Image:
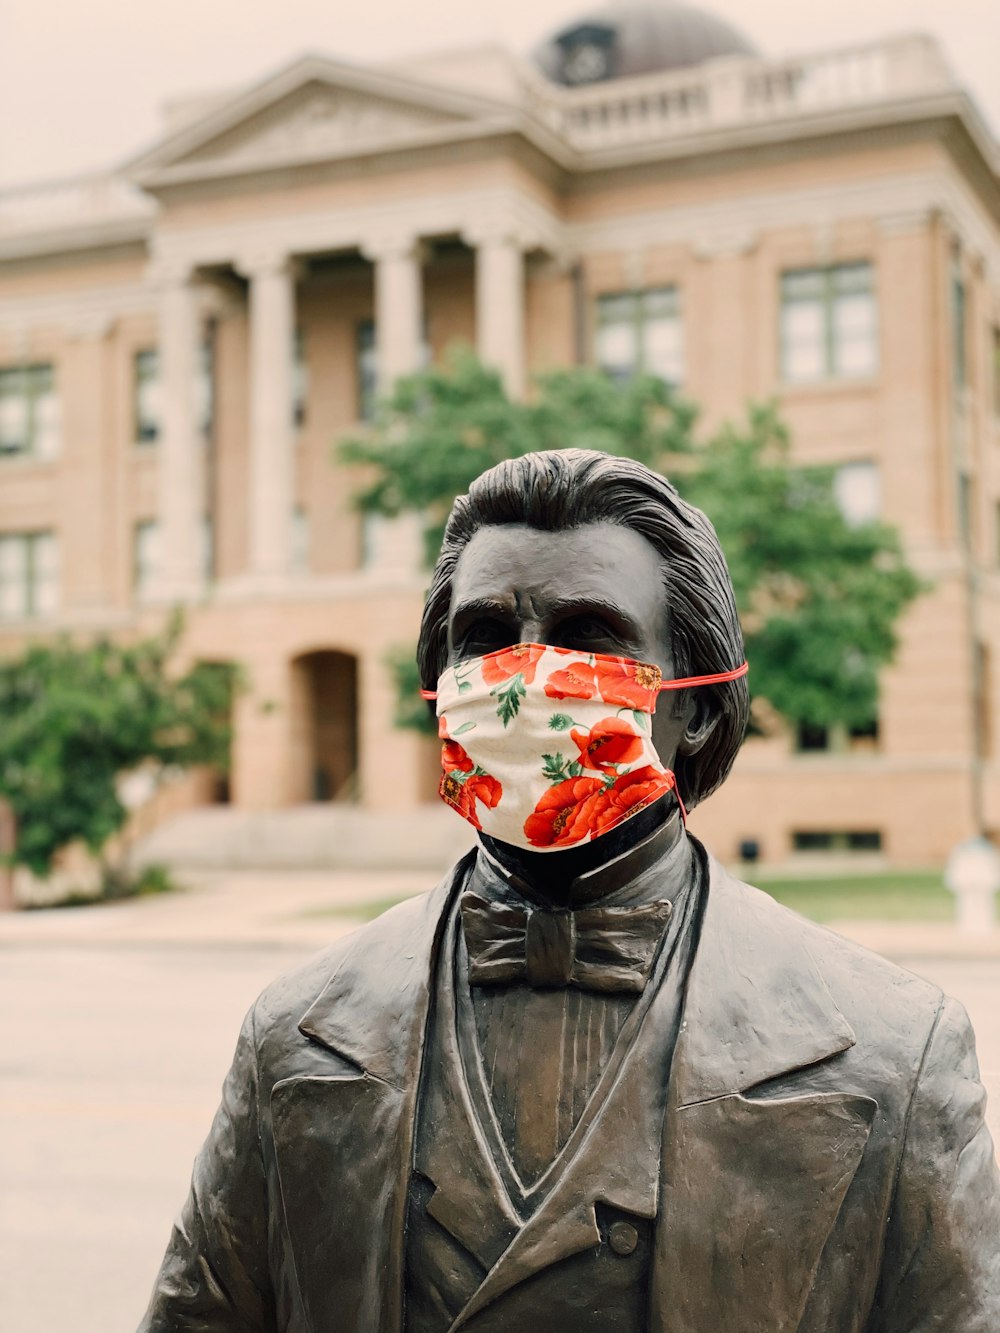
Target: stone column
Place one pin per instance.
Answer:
(272, 435)
(500, 303)
(399, 327)
(181, 471)
(399, 305)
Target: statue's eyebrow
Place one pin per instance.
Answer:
(496, 607)
(564, 607)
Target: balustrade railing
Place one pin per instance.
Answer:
(735, 91)
(87, 200)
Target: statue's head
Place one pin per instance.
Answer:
(588, 551)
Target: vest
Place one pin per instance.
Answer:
(466, 1236)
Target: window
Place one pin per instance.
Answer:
(857, 488)
(641, 333)
(148, 392)
(29, 575)
(148, 396)
(29, 411)
(205, 386)
(811, 738)
(366, 360)
(848, 840)
(366, 364)
(300, 379)
(982, 698)
(300, 540)
(959, 324)
(145, 555)
(207, 548)
(829, 325)
(966, 499)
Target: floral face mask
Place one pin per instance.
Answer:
(547, 748)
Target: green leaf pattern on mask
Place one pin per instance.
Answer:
(508, 697)
(557, 768)
(560, 722)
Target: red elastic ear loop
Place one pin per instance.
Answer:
(719, 678)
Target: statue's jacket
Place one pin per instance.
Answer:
(825, 1165)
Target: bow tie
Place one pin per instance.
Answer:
(604, 949)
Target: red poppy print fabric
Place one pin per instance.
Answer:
(548, 748)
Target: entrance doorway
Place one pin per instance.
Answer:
(325, 727)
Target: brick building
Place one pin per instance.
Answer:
(182, 342)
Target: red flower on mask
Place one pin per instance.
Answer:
(453, 757)
(521, 659)
(608, 743)
(629, 684)
(563, 814)
(578, 681)
(463, 795)
(631, 793)
(578, 808)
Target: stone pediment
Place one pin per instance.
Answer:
(319, 118)
(311, 110)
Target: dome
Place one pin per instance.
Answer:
(624, 38)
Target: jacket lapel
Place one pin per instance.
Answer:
(752, 1186)
(469, 1198)
(343, 1139)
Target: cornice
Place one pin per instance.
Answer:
(385, 226)
(66, 240)
(725, 225)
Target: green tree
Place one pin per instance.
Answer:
(819, 597)
(75, 718)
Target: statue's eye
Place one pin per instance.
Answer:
(585, 631)
(485, 636)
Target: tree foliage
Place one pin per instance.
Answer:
(75, 718)
(819, 597)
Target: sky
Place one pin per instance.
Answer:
(82, 82)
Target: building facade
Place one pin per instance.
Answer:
(181, 344)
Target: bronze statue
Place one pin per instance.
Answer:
(590, 1082)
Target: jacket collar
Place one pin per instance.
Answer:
(757, 1005)
(373, 1010)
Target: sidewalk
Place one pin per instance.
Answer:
(310, 909)
(282, 909)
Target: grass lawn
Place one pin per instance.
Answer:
(889, 896)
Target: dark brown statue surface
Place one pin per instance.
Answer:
(591, 1082)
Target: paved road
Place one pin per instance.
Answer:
(111, 1056)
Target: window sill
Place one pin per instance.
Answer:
(25, 462)
(28, 624)
(836, 387)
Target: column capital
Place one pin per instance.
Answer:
(166, 271)
(393, 243)
(91, 327)
(260, 260)
(505, 232)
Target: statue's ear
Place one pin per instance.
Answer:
(704, 718)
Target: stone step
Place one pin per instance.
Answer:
(307, 837)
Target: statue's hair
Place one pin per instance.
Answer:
(567, 488)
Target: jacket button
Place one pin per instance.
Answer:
(623, 1237)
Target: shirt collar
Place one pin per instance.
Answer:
(658, 867)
